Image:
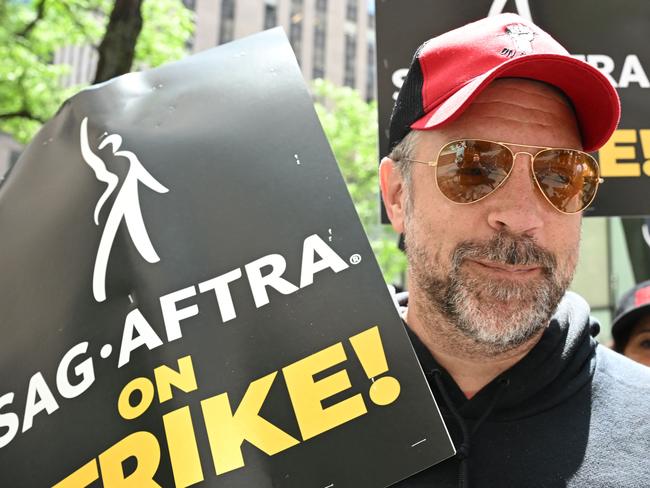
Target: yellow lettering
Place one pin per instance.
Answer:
(80, 478)
(183, 451)
(128, 411)
(610, 155)
(307, 394)
(645, 145)
(146, 450)
(227, 432)
(183, 379)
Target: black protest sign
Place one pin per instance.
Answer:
(188, 297)
(609, 35)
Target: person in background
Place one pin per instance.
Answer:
(631, 326)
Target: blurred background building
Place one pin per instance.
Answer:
(332, 39)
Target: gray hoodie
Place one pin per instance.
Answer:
(571, 413)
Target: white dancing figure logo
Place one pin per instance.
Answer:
(125, 206)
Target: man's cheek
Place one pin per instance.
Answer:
(568, 261)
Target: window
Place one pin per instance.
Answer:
(189, 44)
(319, 52)
(351, 10)
(320, 32)
(270, 16)
(350, 59)
(295, 29)
(227, 24)
(370, 73)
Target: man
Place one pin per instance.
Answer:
(631, 326)
(529, 397)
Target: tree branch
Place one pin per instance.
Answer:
(40, 13)
(25, 114)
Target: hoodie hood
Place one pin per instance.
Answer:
(561, 363)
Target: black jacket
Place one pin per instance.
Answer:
(571, 413)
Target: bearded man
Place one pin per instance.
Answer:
(487, 179)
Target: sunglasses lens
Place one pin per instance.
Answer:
(469, 170)
(569, 179)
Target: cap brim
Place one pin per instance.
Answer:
(594, 98)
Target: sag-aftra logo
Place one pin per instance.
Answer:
(126, 205)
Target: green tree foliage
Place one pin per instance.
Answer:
(32, 31)
(351, 127)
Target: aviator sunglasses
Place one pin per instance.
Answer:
(469, 170)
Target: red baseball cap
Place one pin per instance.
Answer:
(449, 71)
(632, 307)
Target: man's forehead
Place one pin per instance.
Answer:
(514, 86)
(514, 110)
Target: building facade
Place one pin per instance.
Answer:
(332, 39)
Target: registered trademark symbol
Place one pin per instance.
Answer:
(355, 259)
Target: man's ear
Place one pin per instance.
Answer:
(393, 193)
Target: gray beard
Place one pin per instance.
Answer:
(474, 304)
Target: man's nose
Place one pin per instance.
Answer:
(517, 205)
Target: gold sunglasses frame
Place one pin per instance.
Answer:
(434, 164)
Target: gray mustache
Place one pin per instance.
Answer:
(506, 248)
